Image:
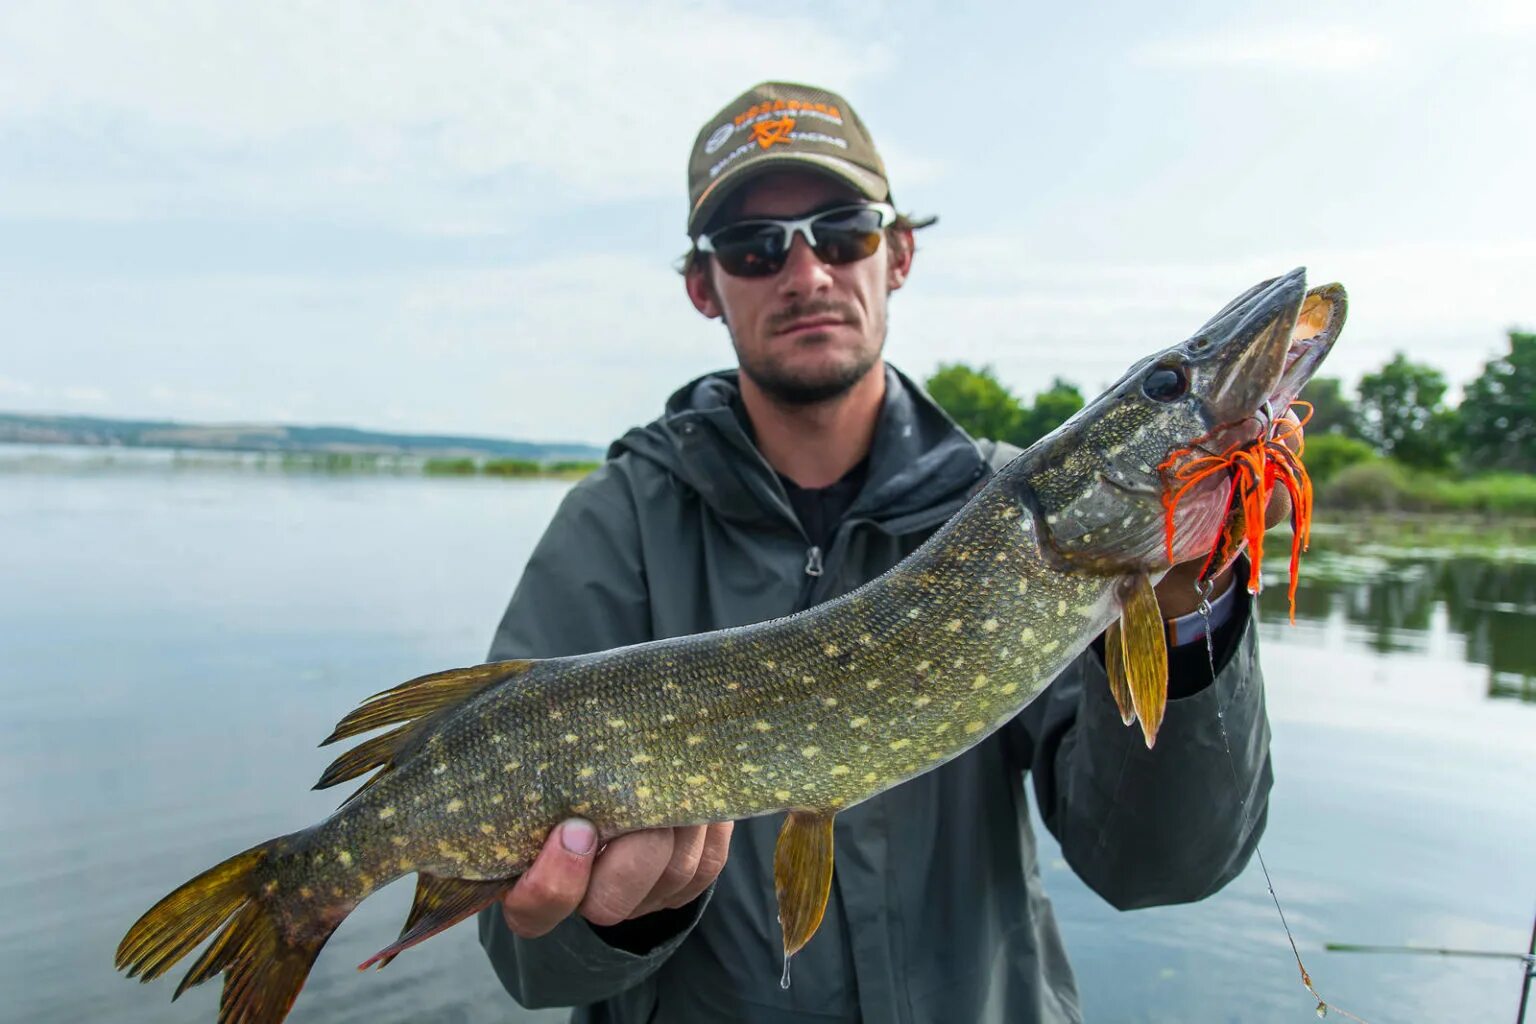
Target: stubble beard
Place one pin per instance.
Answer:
(792, 387)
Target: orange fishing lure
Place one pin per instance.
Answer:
(1253, 471)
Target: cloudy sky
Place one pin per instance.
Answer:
(463, 216)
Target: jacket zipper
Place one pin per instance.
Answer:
(815, 558)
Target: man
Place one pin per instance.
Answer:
(762, 491)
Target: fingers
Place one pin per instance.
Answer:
(717, 846)
(698, 854)
(675, 875)
(637, 874)
(1279, 509)
(626, 873)
(1288, 430)
(687, 848)
(556, 883)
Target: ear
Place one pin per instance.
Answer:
(902, 247)
(701, 290)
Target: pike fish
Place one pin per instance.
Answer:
(808, 714)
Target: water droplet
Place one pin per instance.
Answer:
(1322, 1009)
(784, 979)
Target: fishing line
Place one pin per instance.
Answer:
(1203, 588)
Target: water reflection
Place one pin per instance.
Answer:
(1477, 608)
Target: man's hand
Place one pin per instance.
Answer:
(1176, 593)
(633, 875)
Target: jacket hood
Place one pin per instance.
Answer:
(922, 464)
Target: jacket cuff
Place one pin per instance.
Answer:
(1193, 693)
(574, 964)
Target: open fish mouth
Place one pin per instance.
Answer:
(1247, 468)
(1317, 327)
(1267, 345)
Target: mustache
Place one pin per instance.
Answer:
(804, 310)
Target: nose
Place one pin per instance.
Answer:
(804, 273)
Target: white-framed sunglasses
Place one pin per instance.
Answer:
(758, 247)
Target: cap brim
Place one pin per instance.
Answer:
(867, 183)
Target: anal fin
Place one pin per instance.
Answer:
(440, 903)
(802, 876)
(1144, 654)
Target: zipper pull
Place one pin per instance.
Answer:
(813, 561)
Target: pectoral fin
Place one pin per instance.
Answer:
(802, 876)
(1145, 654)
(1114, 665)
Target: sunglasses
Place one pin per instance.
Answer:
(760, 247)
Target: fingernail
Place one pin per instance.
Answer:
(578, 836)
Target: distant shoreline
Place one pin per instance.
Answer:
(88, 458)
(276, 439)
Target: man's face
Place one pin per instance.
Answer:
(811, 331)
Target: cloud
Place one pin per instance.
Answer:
(1444, 303)
(1502, 16)
(14, 390)
(584, 347)
(574, 348)
(80, 394)
(171, 105)
(1268, 48)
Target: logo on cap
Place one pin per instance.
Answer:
(769, 133)
(718, 138)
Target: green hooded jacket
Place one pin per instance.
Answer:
(937, 913)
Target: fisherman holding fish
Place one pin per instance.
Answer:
(805, 602)
(807, 471)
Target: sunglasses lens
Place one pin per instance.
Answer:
(847, 236)
(750, 250)
(759, 248)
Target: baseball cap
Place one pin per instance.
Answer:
(774, 126)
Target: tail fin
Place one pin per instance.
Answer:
(265, 959)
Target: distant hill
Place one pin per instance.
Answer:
(25, 428)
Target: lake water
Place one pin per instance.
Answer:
(174, 643)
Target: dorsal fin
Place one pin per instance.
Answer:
(368, 755)
(420, 703)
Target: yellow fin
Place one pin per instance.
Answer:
(264, 951)
(420, 703)
(1114, 665)
(802, 876)
(1146, 654)
(424, 695)
(440, 903)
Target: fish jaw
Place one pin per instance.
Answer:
(1241, 354)
(1318, 326)
(1098, 482)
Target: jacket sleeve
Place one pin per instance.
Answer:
(583, 590)
(1168, 825)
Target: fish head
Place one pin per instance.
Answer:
(1097, 484)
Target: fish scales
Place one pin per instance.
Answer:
(809, 714)
(821, 710)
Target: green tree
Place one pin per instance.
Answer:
(1332, 411)
(1402, 414)
(1498, 412)
(1050, 410)
(1328, 454)
(976, 400)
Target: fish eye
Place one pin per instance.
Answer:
(1165, 383)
